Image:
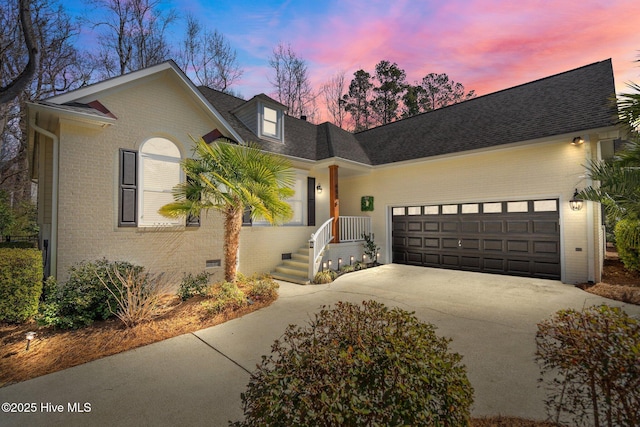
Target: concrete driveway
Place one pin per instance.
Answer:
(196, 379)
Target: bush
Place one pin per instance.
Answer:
(84, 298)
(49, 308)
(347, 268)
(194, 285)
(20, 283)
(359, 365)
(590, 361)
(229, 296)
(138, 295)
(262, 288)
(326, 276)
(627, 234)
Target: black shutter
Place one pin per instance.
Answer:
(192, 220)
(246, 217)
(311, 201)
(128, 189)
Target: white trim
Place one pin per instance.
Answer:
(89, 91)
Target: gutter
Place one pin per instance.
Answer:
(53, 244)
(591, 274)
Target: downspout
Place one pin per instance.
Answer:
(590, 219)
(53, 244)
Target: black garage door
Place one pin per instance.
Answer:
(518, 238)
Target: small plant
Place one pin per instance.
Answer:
(591, 365)
(370, 247)
(323, 277)
(627, 234)
(191, 285)
(359, 365)
(347, 268)
(229, 296)
(262, 288)
(359, 265)
(137, 295)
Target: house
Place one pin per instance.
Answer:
(484, 185)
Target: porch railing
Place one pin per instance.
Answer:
(351, 230)
(353, 227)
(319, 240)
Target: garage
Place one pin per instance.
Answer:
(520, 238)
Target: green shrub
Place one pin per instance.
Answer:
(627, 234)
(261, 288)
(370, 247)
(49, 308)
(84, 298)
(347, 268)
(590, 362)
(194, 285)
(228, 296)
(20, 283)
(359, 365)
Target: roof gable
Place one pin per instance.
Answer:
(89, 94)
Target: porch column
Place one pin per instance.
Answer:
(334, 200)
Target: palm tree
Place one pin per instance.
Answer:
(619, 178)
(230, 178)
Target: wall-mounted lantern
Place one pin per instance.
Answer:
(319, 189)
(576, 202)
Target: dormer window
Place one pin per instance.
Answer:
(271, 122)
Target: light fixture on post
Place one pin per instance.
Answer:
(576, 202)
(577, 140)
(30, 336)
(339, 263)
(319, 189)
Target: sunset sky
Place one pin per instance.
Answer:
(487, 45)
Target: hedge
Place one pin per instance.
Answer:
(20, 283)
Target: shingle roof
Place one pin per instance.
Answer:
(572, 101)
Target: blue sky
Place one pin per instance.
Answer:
(487, 45)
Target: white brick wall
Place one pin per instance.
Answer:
(88, 196)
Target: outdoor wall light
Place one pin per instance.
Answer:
(577, 140)
(576, 202)
(319, 189)
(30, 336)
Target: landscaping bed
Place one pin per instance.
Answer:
(57, 349)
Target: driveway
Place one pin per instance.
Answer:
(196, 379)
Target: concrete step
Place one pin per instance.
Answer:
(287, 278)
(300, 257)
(297, 264)
(292, 271)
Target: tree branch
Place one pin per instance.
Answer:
(15, 87)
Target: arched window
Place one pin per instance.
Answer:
(159, 173)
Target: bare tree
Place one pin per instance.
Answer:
(132, 35)
(209, 56)
(291, 82)
(332, 92)
(13, 87)
(60, 68)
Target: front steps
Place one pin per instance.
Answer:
(294, 270)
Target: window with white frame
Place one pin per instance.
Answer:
(271, 120)
(159, 172)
